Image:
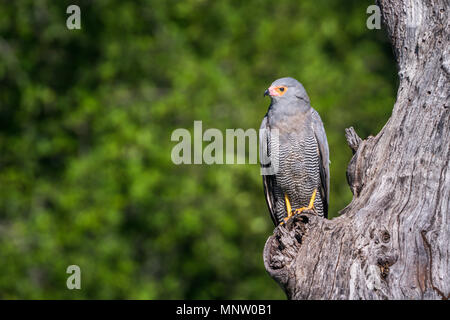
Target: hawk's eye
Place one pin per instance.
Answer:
(281, 89)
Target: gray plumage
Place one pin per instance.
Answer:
(303, 156)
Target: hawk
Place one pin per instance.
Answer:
(302, 179)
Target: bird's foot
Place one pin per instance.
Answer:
(291, 212)
(288, 209)
(286, 219)
(309, 207)
(300, 210)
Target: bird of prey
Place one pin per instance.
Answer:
(302, 179)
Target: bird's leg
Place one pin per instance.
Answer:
(310, 206)
(288, 208)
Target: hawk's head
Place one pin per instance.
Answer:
(286, 89)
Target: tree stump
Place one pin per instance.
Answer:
(392, 240)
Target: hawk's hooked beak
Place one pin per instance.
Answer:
(266, 92)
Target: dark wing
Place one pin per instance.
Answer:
(324, 153)
(268, 180)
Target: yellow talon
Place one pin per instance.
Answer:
(291, 212)
(288, 209)
(288, 205)
(313, 198)
(310, 206)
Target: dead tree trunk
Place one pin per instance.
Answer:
(393, 240)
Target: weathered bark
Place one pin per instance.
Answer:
(392, 240)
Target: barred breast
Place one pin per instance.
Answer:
(298, 173)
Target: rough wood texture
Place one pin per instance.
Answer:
(392, 240)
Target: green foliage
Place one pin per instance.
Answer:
(86, 117)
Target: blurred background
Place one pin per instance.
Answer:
(86, 117)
